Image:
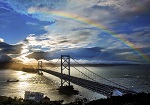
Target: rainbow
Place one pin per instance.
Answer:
(96, 25)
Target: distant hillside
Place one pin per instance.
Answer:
(21, 66)
(11, 65)
(102, 65)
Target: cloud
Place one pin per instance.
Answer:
(112, 13)
(31, 23)
(1, 40)
(5, 6)
(19, 26)
(145, 29)
(78, 53)
(126, 6)
(67, 33)
(75, 45)
(39, 55)
(93, 55)
(21, 6)
(5, 58)
(95, 10)
(58, 38)
(139, 37)
(35, 9)
(10, 49)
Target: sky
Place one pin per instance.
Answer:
(91, 31)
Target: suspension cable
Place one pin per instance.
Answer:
(98, 75)
(55, 64)
(83, 73)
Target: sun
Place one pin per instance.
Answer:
(24, 51)
(23, 57)
(27, 60)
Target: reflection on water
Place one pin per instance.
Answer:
(30, 82)
(132, 77)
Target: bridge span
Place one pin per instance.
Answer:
(91, 83)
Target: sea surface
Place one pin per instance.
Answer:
(135, 77)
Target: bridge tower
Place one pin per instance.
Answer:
(65, 87)
(65, 66)
(40, 67)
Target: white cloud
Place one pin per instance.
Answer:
(1, 40)
(126, 5)
(146, 28)
(31, 23)
(74, 9)
(125, 53)
(99, 11)
(59, 41)
(103, 12)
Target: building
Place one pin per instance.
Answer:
(36, 96)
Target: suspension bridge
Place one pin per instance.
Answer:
(88, 80)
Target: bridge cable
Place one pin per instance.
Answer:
(83, 73)
(55, 65)
(99, 75)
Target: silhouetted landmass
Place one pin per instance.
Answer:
(20, 101)
(128, 99)
(15, 65)
(104, 65)
(30, 67)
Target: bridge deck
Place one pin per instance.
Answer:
(91, 85)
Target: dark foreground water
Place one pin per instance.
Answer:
(137, 77)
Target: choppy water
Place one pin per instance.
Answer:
(137, 77)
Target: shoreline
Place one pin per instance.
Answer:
(20, 65)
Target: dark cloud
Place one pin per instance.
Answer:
(39, 55)
(64, 41)
(119, 10)
(85, 33)
(79, 53)
(95, 54)
(5, 58)
(10, 49)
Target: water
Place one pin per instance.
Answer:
(137, 77)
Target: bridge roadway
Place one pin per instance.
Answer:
(91, 85)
